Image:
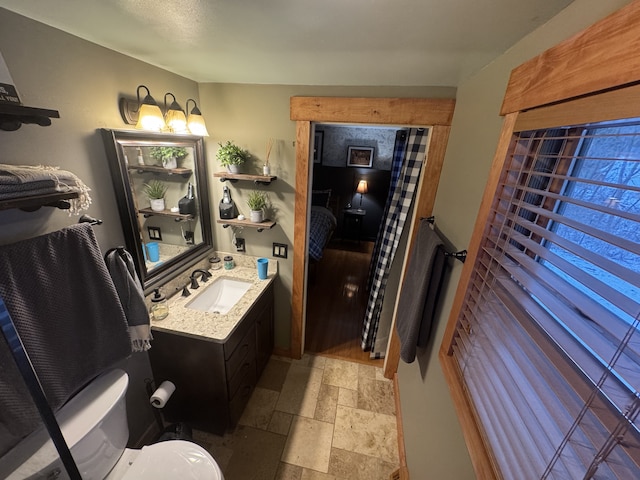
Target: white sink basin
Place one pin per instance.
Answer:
(219, 296)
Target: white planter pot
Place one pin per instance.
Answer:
(233, 168)
(157, 204)
(256, 216)
(170, 162)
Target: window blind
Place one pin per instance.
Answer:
(547, 339)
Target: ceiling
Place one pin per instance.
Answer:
(302, 42)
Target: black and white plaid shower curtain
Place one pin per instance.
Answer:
(399, 150)
(399, 206)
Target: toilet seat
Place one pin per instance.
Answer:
(177, 459)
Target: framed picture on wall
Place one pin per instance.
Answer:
(360, 157)
(317, 146)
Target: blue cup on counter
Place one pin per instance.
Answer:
(153, 252)
(263, 265)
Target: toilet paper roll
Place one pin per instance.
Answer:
(162, 395)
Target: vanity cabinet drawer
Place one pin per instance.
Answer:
(242, 395)
(247, 347)
(237, 337)
(246, 370)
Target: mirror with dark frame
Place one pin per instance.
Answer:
(166, 236)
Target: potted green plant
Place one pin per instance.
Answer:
(231, 156)
(168, 156)
(156, 191)
(257, 202)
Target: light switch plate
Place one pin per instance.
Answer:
(280, 250)
(155, 233)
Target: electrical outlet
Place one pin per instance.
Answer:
(280, 250)
(240, 244)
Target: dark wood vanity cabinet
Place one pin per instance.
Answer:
(214, 381)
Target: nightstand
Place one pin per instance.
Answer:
(352, 220)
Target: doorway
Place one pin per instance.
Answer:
(350, 196)
(435, 113)
(348, 200)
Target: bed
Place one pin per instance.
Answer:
(322, 223)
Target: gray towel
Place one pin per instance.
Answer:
(19, 181)
(120, 265)
(420, 291)
(65, 307)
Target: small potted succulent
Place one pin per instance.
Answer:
(257, 202)
(231, 156)
(168, 156)
(156, 191)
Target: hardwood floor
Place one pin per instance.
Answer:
(336, 302)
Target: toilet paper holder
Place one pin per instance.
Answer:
(162, 394)
(176, 431)
(151, 391)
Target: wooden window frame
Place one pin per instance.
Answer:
(591, 76)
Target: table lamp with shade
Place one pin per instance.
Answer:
(361, 189)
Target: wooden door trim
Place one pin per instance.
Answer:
(423, 206)
(417, 112)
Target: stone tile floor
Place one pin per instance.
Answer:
(312, 419)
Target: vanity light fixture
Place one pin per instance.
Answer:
(174, 117)
(149, 113)
(195, 122)
(146, 114)
(362, 188)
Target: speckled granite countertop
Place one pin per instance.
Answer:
(215, 326)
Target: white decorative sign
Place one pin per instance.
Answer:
(8, 92)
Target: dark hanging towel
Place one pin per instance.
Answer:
(123, 272)
(420, 292)
(64, 305)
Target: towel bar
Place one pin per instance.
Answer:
(90, 220)
(460, 255)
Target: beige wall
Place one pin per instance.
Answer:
(434, 443)
(83, 81)
(250, 115)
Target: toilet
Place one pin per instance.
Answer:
(94, 425)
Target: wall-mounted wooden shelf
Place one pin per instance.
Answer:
(264, 225)
(234, 177)
(34, 202)
(12, 116)
(158, 169)
(178, 217)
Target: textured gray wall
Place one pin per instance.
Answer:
(338, 139)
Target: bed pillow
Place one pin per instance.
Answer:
(320, 198)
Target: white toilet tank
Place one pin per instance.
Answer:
(94, 425)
